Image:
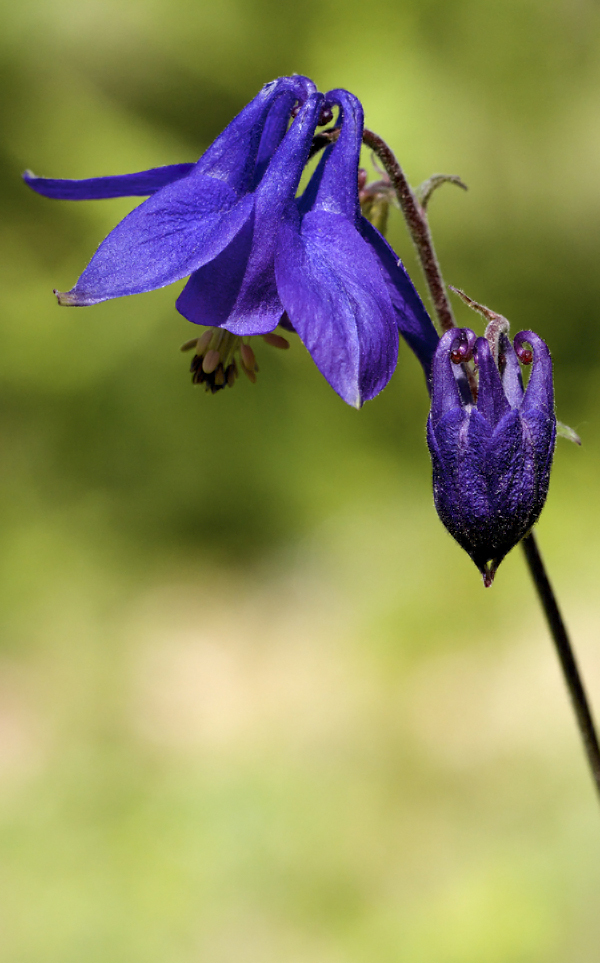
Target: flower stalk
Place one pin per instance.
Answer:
(558, 631)
(418, 226)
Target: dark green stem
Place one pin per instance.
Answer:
(566, 655)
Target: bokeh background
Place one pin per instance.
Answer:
(255, 704)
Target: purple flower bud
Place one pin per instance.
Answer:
(491, 456)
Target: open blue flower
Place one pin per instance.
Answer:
(255, 253)
(491, 457)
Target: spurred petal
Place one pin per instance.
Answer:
(445, 394)
(97, 188)
(232, 157)
(539, 394)
(538, 407)
(334, 294)
(163, 240)
(273, 133)
(237, 290)
(415, 325)
(512, 380)
(491, 400)
(334, 185)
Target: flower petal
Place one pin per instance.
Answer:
(512, 380)
(163, 240)
(274, 131)
(334, 184)
(334, 294)
(445, 393)
(538, 408)
(97, 188)
(539, 394)
(492, 403)
(213, 294)
(237, 290)
(415, 325)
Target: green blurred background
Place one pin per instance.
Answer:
(255, 704)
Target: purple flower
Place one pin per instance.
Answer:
(255, 254)
(491, 457)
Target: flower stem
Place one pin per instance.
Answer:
(416, 219)
(565, 653)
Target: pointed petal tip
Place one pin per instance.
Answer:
(66, 298)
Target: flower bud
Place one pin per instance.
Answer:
(491, 455)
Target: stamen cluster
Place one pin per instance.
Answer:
(216, 355)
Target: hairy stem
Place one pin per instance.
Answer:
(566, 655)
(416, 220)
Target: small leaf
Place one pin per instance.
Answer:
(426, 189)
(563, 431)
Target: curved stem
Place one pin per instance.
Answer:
(565, 653)
(416, 220)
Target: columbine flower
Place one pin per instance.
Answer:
(491, 456)
(255, 254)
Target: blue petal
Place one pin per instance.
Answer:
(274, 131)
(238, 290)
(217, 294)
(97, 188)
(163, 240)
(334, 185)
(415, 325)
(333, 292)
